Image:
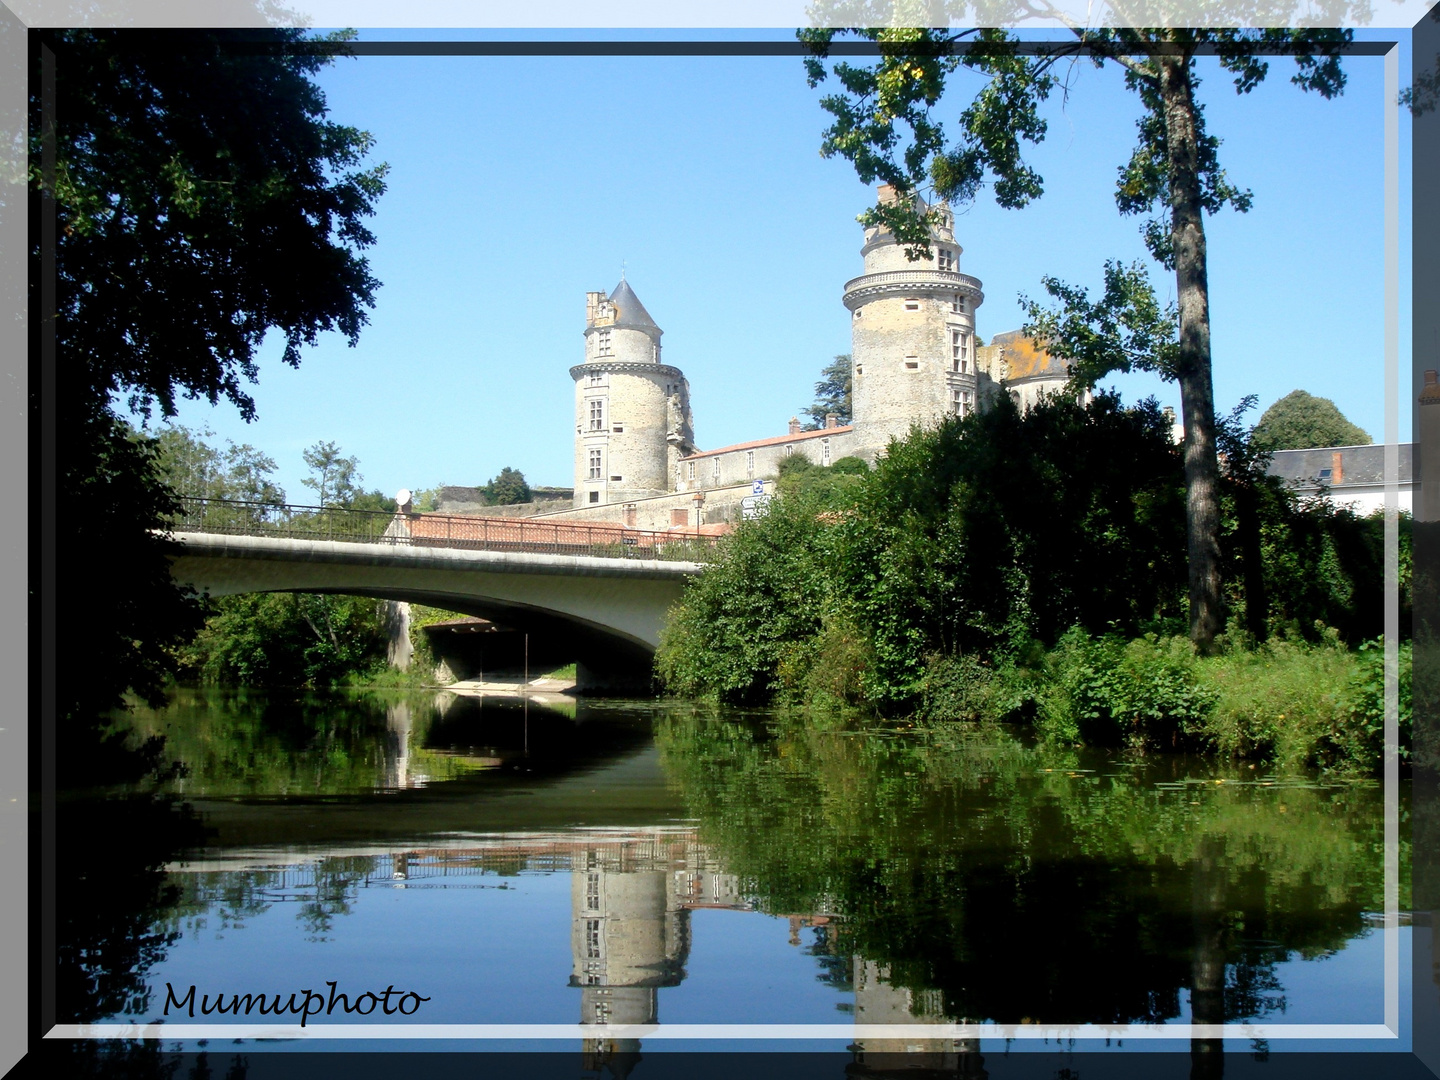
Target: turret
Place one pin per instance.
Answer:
(632, 413)
(912, 334)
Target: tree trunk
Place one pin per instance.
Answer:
(1197, 396)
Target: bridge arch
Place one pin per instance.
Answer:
(608, 611)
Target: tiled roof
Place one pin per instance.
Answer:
(628, 309)
(776, 441)
(1358, 465)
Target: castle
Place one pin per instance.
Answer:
(914, 359)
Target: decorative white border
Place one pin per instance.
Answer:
(33, 14)
(722, 1031)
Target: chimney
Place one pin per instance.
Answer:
(794, 425)
(886, 194)
(831, 421)
(1337, 468)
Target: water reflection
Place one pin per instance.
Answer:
(550, 866)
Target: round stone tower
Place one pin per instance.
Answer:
(912, 335)
(632, 413)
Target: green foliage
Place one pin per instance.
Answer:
(119, 585)
(832, 394)
(288, 640)
(1125, 330)
(191, 466)
(753, 610)
(202, 200)
(1144, 694)
(884, 124)
(509, 487)
(1299, 421)
(836, 485)
(334, 479)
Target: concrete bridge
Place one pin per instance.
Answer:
(605, 609)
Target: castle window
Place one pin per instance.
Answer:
(655, 352)
(750, 462)
(912, 303)
(602, 342)
(961, 403)
(959, 352)
(859, 370)
(715, 471)
(946, 259)
(619, 429)
(617, 479)
(859, 312)
(957, 305)
(592, 939)
(912, 363)
(824, 451)
(594, 496)
(597, 378)
(597, 414)
(692, 470)
(594, 467)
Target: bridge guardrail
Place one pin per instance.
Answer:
(290, 521)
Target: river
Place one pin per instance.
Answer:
(600, 862)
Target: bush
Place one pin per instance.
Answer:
(957, 688)
(1145, 693)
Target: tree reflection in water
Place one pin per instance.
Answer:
(992, 881)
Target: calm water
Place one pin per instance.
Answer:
(643, 863)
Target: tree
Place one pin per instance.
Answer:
(509, 487)
(334, 479)
(1173, 176)
(832, 394)
(1299, 421)
(200, 199)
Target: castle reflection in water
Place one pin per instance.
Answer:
(631, 895)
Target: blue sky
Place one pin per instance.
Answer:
(518, 183)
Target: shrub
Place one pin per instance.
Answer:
(956, 688)
(1145, 693)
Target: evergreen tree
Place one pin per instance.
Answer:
(832, 394)
(1299, 421)
(507, 488)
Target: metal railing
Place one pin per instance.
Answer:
(287, 521)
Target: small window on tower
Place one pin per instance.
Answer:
(602, 344)
(946, 259)
(912, 303)
(616, 479)
(594, 496)
(912, 363)
(959, 352)
(597, 414)
(594, 466)
(958, 304)
(859, 369)
(619, 429)
(597, 378)
(715, 470)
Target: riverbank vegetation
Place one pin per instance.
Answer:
(1031, 567)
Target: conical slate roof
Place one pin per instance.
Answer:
(628, 309)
